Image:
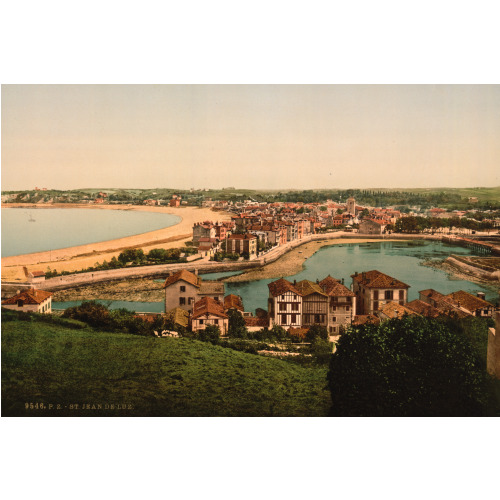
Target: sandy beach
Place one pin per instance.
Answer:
(83, 256)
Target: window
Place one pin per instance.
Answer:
(295, 307)
(201, 322)
(294, 318)
(190, 300)
(375, 294)
(182, 301)
(389, 294)
(183, 288)
(401, 294)
(318, 318)
(375, 306)
(347, 308)
(334, 319)
(216, 322)
(283, 319)
(282, 306)
(19, 303)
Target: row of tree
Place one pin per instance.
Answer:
(416, 224)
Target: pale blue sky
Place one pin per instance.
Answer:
(254, 136)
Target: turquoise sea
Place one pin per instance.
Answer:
(402, 260)
(28, 230)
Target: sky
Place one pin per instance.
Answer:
(250, 136)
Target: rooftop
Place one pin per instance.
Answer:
(183, 275)
(208, 307)
(281, 286)
(376, 279)
(30, 296)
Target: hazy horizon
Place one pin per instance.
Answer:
(250, 136)
(236, 188)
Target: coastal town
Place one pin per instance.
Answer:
(262, 269)
(257, 234)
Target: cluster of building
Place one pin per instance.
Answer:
(296, 306)
(267, 225)
(194, 303)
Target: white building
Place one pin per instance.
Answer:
(38, 301)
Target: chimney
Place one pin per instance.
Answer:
(342, 280)
(481, 295)
(196, 272)
(363, 276)
(294, 282)
(317, 281)
(25, 269)
(355, 273)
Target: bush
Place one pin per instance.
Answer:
(211, 333)
(316, 332)
(92, 313)
(409, 367)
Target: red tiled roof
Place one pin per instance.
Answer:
(282, 286)
(334, 288)
(183, 275)
(37, 273)
(30, 296)
(395, 310)
(208, 306)
(469, 301)
(233, 302)
(262, 322)
(423, 308)
(306, 287)
(376, 279)
(362, 319)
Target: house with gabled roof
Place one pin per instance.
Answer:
(342, 304)
(184, 288)
(314, 304)
(207, 311)
(31, 300)
(393, 310)
(374, 289)
(284, 304)
(423, 308)
(445, 305)
(232, 301)
(476, 306)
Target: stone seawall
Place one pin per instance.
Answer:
(470, 268)
(204, 266)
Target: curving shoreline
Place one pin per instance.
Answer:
(83, 256)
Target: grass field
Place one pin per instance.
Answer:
(68, 365)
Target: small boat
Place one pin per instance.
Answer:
(31, 219)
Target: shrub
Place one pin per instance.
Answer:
(409, 367)
(211, 333)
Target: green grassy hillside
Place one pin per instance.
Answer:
(68, 364)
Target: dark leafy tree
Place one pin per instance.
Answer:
(316, 332)
(237, 326)
(409, 367)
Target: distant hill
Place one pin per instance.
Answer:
(452, 198)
